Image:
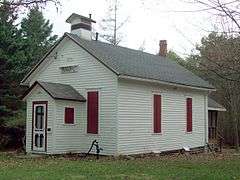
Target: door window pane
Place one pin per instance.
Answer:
(39, 109)
(41, 140)
(39, 115)
(36, 140)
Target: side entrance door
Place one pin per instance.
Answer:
(39, 126)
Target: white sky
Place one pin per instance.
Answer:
(149, 21)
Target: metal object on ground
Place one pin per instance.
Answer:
(98, 149)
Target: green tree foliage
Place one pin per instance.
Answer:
(11, 50)
(17, 45)
(189, 62)
(20, 48)
(218, 61)
(174, 56)
(37, 36)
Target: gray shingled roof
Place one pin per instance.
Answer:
(78, 16)
(214, 105)
(58, 91)
(125, 61)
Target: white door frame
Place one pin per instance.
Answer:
(39, 129)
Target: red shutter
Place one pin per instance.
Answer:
(92, 112)
(157, 113)
(69, 115)
(189, 114)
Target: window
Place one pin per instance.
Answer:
(39, 126)
(39, 140)
(189, 114)
(69, 115)
(69, 69)
(92, 112)
(39, 115)
(157, 113)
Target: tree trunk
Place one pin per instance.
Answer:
(235, 105)
(236, 137)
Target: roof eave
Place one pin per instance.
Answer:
(25, 94)
(101, 61)
(77, 15)
(23, 81)
(165, 83)
(68, 99)
(57, 98)
(217, 109)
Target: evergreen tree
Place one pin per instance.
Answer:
(37, 36)
(10, 52)
(20, 49)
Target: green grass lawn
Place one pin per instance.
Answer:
(166, 167)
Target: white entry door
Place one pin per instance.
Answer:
(39, 126)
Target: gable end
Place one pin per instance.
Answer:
(52, 48)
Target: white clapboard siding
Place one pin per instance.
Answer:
(38, 94)
(125, 109)
(69, 137)
(91, 75)
(135, 120)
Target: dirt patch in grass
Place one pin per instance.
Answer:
(226, 154)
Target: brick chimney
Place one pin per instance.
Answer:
(163, 48)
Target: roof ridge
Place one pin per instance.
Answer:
(117, 46)
(124, 60)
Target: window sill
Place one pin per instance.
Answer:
(157, 134)
(91, 134)
(188, 132)
(64, 124)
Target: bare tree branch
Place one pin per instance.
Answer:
(111, 24)
(228, 12)
(18, 4)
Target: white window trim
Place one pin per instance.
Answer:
(68, 124)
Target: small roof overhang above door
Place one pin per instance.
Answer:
(57, 91)
(214, 106)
